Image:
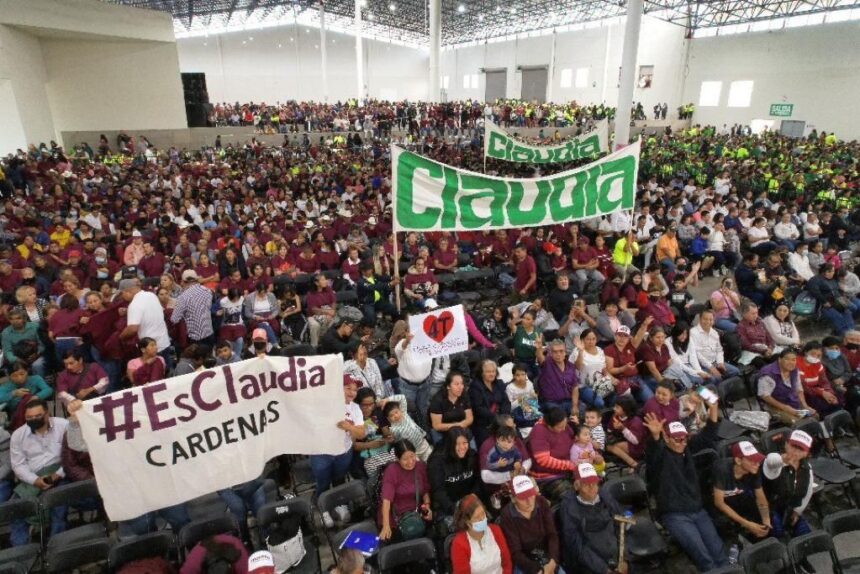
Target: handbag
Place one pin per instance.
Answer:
(411, 524)
(286, 543)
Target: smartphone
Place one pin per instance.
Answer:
(708, 395)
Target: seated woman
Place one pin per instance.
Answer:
(453, 470)
(147, 368)
(781, 328)
(526, 335)
(632, 288)
(488, 397)
(627, 433)
(261, 309)
(405, 488)
(819, 393)
(495, 327)
(222, 553)
(79, 380)
(530, 530)
(478, 547)
(64, 325)
(374, 450)
(663, 404)
(450, 407)
(367, 371)
(549, 443)
(596, 386)
(726, 302)
(656, 362)
(21, 384)
(679, 344)
(612, 317)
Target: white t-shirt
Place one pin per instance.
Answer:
(145, 310)
(353, 415)
(486, 556)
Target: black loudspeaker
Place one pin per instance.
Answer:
(197, 115)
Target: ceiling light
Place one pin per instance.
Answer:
(370, 15)
(363, 3)
(279, 45)
(513, 10)
(251, 38)
(498, 9)
(307, 30)
(392, 7)
(461, 8)
(480, 17)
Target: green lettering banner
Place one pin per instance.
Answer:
(499, 144)
(430, 196)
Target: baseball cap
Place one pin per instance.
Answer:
(801, 440)
(259, 334)
(189, 275)
(523, 487)
(74, 253)
(772, 466)
(623, 330)
(261, 562)
(136, 233)
(677, 430)
(745, 449)
(349, 380)
(431, 304)
(586, 474)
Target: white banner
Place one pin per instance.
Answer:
(500, 144)
(170, 441)
(439, 332)
(431, 196)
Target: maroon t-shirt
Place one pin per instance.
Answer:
(66, 323)
(445, 258)
(317, 299)
(626, 357)
(583, 256)
(661, 358)
(420, 283)
(311, 265)
(525, 268)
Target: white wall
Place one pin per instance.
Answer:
(661, 45)
(22, 66)
(260, 70)
(814, 68)
(113, 85)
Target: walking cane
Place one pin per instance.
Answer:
(622, 521)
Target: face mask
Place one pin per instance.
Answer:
(812, 360)
(260, 345)
(833, 353)
(37, 424)
(101, 260)
(681, 267)
(480, 526)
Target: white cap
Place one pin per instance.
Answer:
(136, 233)
(431, 304)
(261, 562)
(772, 466)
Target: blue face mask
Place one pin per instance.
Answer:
(833, 353)
(480, 526)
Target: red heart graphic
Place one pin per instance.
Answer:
(438, 327)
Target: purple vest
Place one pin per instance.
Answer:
(782, 393)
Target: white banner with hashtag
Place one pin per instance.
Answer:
(174, 440)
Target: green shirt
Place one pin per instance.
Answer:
(10, 337)
(34, 383)
(524, 344)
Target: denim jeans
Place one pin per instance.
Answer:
(697, 536)
(270, 333)
(726, 325)
(328, 469)
(6, 486)
(250, 496)
(112, 369)
(589, 397)
(20, 529)
(564, 405)
(177, 516)
(842, 322)
(800, 527)
(419, 395)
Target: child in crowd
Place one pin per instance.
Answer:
(524, 401)
(224, 354)
(504, 457)
(680, 299)
(403, 427)
(598, 434)
(583, 450)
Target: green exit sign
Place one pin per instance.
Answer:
(781, 110)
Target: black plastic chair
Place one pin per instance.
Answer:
(730, 391)
(336, 539)
(643, 538)
(301, 476)
(847, 449)
(21, 509)
(207, 506)
(802, 547)
(352, 494)
(270, 514)
(449, 540)
(769, 555)
(726, 570)
(156, 544)
(70, 557)
(774, 440)
(13, 568)
(344, 297)
(418, 551)
(843, 522)
(198, 530)
(73, 495)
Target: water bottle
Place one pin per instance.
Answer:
(628, 514)
(734, 552)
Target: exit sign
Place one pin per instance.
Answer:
(781, 110)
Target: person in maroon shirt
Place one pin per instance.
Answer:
(420, 283)
(9, 278)
(657, 308)
(307, 261)
(502, 252)
(321, 308)
(585, 264)
(78, 266)
(234, 281)
(445, 258)
(152, 263)
(663, 404)
(654, 357)
(350, 265)
(621, 361)
(329, 258)
(526, 272)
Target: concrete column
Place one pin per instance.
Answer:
(359, 56)
(550, 82)
(435, 48)
(323, 53)
(628, 72)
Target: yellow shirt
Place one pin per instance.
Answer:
(620, 255)
(62, 237)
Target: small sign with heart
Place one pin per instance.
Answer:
(439, 332)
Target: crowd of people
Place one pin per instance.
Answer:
(588, 352)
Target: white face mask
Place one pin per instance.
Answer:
(812, 360)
